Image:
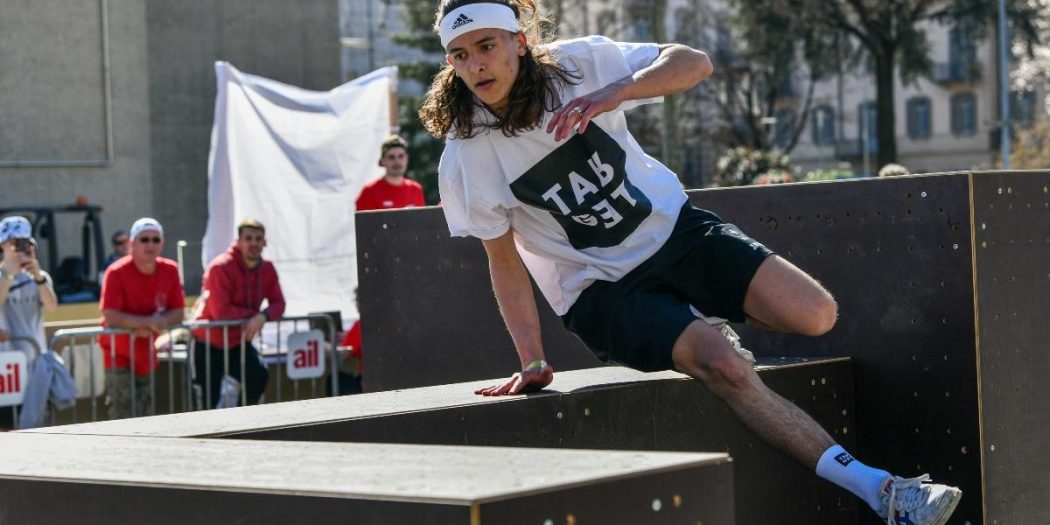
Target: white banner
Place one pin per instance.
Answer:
(296, 161)
(14, 371)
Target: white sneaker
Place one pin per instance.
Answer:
(722, 326)
(916, 501)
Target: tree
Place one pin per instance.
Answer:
(1033, 69)
(763, 55)
(892, 34)
(425, 149)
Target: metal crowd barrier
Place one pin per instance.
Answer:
(177, 355)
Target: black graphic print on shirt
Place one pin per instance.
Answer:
(583, 185)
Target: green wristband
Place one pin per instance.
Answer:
(538, 364)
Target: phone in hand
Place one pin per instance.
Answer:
(22, 246)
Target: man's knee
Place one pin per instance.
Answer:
(718, 366)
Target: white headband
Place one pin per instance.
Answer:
(476, 16)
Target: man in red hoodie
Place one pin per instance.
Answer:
(235, 285)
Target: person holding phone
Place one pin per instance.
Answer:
(26, 290)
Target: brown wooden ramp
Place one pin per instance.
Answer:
(942, 282)
(608, 408)
(88, 480)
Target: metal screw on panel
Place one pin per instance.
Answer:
(923, 194)
(657, 505)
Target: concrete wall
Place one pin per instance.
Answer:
(160, 103)
(53, 109)
(292, 42)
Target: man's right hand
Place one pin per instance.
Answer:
(4, 336)
(12, 263)
(157, 323)
(524, 382)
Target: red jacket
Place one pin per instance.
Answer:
(232, 291)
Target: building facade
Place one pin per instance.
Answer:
(113, 100)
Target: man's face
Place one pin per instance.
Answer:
(18, 249)
(488, 61)
(122, 245)
(147, 246)
(251, 242)
(395, 160)
(10, 249)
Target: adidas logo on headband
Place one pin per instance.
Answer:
(471, 17)
(461, 20)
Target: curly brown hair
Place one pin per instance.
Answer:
(449, 102)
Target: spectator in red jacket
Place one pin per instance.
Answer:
(141, 293)
(393, 189)
(235, 285)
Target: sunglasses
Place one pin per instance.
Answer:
(148, 240)
(22, 245)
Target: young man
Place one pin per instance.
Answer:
(540, 166)
(235, 285)
(141, 293)
(393, 189)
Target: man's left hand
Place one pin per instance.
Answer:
(254, 326)
(32, 266)
(580, 110)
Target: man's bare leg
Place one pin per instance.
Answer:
(782, 297)
(704, 354)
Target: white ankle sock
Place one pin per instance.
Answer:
(839, 467)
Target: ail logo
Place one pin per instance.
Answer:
(305, 356)
(13, 366)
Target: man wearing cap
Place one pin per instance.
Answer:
(141, 294)
(26, 291)
(393, 189)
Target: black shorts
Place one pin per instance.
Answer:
(636, 320)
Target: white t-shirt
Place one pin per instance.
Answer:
(24, 315)
(591, 207)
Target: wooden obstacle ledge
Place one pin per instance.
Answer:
(942, 285)
(106, 479)
(608, 408)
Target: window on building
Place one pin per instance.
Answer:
(964, 114)
(1022, 108)
(868, 127)
(638, 16)
(962, 53)
(823, 124)
(919, 117)
(784, 128)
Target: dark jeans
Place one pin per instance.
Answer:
(253, 382)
